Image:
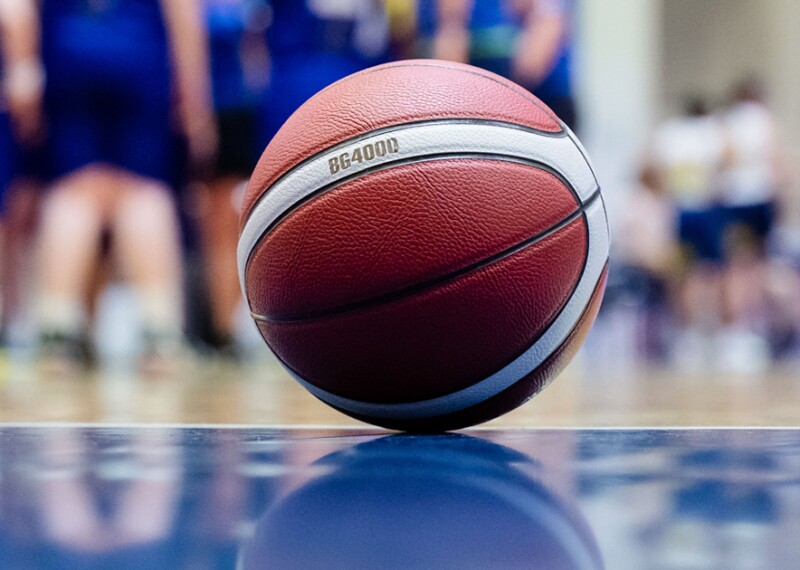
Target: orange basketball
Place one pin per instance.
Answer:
(424, 245)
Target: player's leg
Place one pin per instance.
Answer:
(743, 344)
(746, 233)
(75, 209)
(73, 216)
(219, 221)
(6, 175)
(147, 248)
(17, 272)
(699, 291)
(218, 216)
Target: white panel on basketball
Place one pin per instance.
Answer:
(417, 140)
(553, 337)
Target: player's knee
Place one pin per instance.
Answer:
(150, 202)
(64, 201)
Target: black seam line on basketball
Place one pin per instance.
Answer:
(420, 287)
(521, 91)
(403, 126)
(450, 416)
(544, 330)
(404, 162)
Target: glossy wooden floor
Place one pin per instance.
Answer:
(205, 391)
(198, 498)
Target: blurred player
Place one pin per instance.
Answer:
(528, 41)
(687, 154)
(313, 43)
(239, 71)
(402, 18)
(20, 117)
(6, 175)
(113, 70)
(646, 249)
(749, 192)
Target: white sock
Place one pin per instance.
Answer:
(161, 311)
(60, 314)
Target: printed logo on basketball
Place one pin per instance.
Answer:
(362, 154)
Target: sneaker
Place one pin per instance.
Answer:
(64, 353)
(739, 351)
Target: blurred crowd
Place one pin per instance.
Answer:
(698, 250)
(128, 129)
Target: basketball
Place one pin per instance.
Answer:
(423, 245)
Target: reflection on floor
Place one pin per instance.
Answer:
(224, 498)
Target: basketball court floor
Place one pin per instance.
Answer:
(220, 466)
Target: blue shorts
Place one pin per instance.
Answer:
(113, 114)
(756, 218)
(7, 158)
(701, 232)
(108, 93)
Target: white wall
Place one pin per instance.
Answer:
(618, 80)
(711, 44)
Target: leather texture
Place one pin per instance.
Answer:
(392, 94)
(442, 339)
(395, 229)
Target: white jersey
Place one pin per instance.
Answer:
(687, 153)
(750, 175)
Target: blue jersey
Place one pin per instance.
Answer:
(104, 38)
(427, 23)
(351, 28)
(228, 23)
(108, 90)
(495, 27)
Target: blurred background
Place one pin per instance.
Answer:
(128, 129)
